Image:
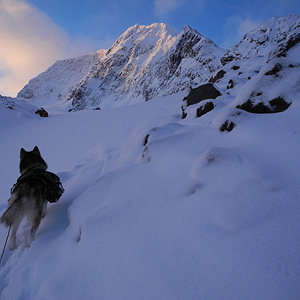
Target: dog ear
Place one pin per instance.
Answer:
(36, 151)
(22, 153)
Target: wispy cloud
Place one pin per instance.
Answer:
(249, 14)
(163, 7)
(235, 28)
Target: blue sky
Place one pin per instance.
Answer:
(221, 20)
(39, 32)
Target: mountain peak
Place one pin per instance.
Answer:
(187, 28)
(153, 29)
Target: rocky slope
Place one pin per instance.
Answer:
(259, 75)
(153, 61)
(267, 40)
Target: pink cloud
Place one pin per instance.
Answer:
(30, 42)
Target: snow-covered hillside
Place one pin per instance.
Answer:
(55, 84)
(194, 195)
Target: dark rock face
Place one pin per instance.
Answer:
(202, 110)
(203, 92)
(230, 85)
(285, 47)
(227, 126)
(279, 104)
(228, 58)
(276, 105)
(275, 70)
(184, 114)
(42, 112)
(218, 76)
(293, 41)
(146, 140)
(184, 47)
(235, 68)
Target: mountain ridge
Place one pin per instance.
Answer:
(147, 62)
(128, 60)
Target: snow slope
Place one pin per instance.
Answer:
(194, 214)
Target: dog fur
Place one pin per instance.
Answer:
(28, 198)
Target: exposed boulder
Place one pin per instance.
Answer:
(235, 68)
(277, 68)
(203, 109)
(203, 92)
(276, 105)
(42, 112)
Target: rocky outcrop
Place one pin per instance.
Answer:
(272, 90)
(274, 106)
(195, 96)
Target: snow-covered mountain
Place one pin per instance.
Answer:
(147, 62)
(144, 63)
(193, 195)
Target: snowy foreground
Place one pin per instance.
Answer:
(195, 214)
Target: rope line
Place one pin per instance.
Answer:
(5, 244)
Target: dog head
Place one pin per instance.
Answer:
(31, 159)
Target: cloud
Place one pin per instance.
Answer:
(245, 26)
(235, 28)
(163, 7)
(30, 42)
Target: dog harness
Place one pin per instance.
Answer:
(51, 182)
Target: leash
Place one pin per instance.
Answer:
(5, 244)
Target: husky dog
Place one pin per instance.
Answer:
(29, 196)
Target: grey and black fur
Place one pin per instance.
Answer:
(28, 197)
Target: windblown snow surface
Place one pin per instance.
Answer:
(195, 214)
(158, 207)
